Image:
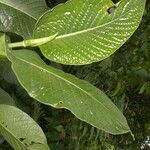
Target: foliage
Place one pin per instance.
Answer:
(85, 37)
(125, 77)
(108, 71)
(28, 11)
(13, 119)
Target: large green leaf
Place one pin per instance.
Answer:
(5, 98)
(61, 90)
(19, 16)
(22, 132)
(89, 30)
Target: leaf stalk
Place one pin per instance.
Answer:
(32, 42)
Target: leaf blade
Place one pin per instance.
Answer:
(20, 16)
(12, 119)
(60, 90)
(5, 98)
(87, 32)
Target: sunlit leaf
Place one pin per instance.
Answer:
(88, 30)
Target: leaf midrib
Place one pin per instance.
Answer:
(40, 68)
(18, 10)
(14, 136)
(90, 29)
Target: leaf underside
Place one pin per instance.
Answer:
(61, 90)
(89, 30)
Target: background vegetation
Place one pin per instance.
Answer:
(125, 77)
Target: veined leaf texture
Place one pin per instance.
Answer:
(87, 31)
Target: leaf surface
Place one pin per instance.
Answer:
(5, 68)
(89, 30)
(5, 98)
(21, 131)
(19, 16)
(61, 90)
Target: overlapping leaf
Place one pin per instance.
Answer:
(5, 98)
(61, 90)
(20, 130)
(5, 69)
(19, 16)
(89, 30)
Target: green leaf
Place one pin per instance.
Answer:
(19, 16)
(88, 30)
(5, 98)
(5, 69)
(22, 132)
(61, 90)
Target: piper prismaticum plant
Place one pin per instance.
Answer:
(78, 32)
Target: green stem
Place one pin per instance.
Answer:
(17, 44)
(32, 42)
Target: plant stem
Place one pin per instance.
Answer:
(33, 42)
(17, 44)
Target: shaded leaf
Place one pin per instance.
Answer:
(5, 69)
(89, 30)
(5, 98)
(61, 90)
(19, 16)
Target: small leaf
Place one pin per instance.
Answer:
(21, 132)
(61, 90)
(5, 98)
(5, 70)
(19, 16)
(88, 30)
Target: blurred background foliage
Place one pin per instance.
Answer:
(125, 77)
